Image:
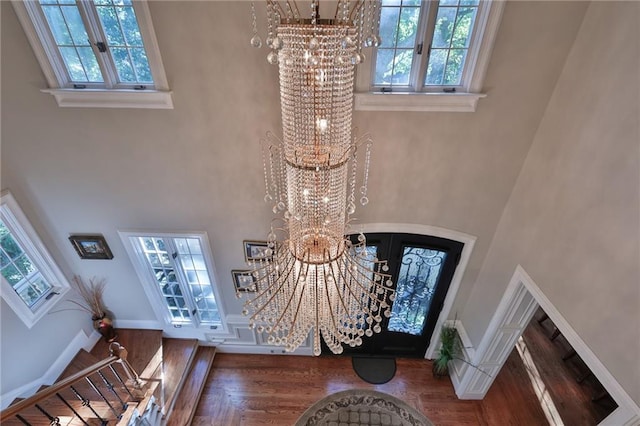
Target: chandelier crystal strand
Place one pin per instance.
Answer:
(256, 41)
(364, 200)
(315, 281)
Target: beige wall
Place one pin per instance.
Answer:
(198, 167)
(572, 221)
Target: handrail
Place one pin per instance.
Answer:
(16, 408)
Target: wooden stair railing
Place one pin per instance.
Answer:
(130, 387)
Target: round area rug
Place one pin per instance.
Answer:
(360, 407)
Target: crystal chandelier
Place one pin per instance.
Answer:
(314, 279)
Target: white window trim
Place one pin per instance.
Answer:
(159, 97)
(461, 101)
(22, 231)
(136, 255)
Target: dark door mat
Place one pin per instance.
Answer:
(374, 369)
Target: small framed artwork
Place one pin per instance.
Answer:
(256, 250)
(244, 281)
(91, 246)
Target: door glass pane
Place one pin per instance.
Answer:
(183, 278)
(194, 266)
(156, 254)
(416, 284)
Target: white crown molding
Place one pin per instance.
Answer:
(421, 102)
(109, 98)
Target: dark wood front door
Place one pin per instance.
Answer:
(422, 268)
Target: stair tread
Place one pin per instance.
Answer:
(141, 345)
(82, 360)
(177, 355)
(186, 402)
(145, 354)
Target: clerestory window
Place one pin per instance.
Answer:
(434, 48)
(31, 281)
(96, 52)
(177, 273)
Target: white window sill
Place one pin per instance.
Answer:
(427, 102)
(97, 98)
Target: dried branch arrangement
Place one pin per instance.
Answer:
(91, 294)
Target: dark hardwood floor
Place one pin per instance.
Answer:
(254, 390)
(561, 378)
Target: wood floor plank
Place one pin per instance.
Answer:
(269, 390)
(254, 390)
(187, 400)
(177, 355)
(141, 345)
(572, 399)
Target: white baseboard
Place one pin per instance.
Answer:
(138, 324)
(24, 390)
(261, 350)
(80, 341)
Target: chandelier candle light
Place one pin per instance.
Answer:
(314, 279)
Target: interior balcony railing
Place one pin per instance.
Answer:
(101, 394)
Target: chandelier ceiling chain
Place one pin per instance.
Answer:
(314, 279)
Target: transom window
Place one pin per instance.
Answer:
(410, 59)
(86, 47)
(178, 271)
(31, 281)
(113, 33)
(98, 42)
(437, 48)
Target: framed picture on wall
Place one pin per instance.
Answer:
(244, 281)
(256, 250)
(91, 246)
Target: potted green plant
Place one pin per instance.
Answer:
(91, 295)
(450, 349)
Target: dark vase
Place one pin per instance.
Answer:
(104, 325)
(439, 372)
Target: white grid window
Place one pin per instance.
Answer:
(432, 59)
(102, 51)
(20, 271)
(178, 270)
(434, 47)
(31, 281)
